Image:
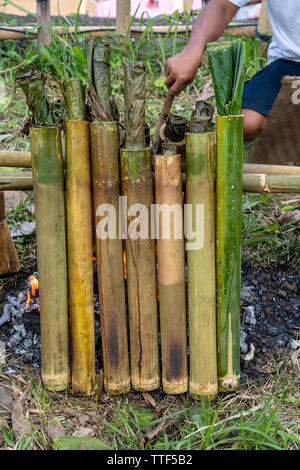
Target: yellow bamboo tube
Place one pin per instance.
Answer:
(80, 256)
(171, 273)
(201, 266)
(106, 183)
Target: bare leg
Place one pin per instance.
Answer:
(254, 123)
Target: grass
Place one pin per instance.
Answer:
(259, 417)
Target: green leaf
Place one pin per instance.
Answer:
(79, 443)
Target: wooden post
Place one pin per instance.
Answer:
(9, 260)
(123, 16)
(43, 21)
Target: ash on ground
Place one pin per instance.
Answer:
(270, 320)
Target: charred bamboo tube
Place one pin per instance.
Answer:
(229, 241)
(201, 266)
(48, 177)
(137, 186)
(171, 273)
(80, 254)
(9, 260)
(14, 181)
(15, 159)
(106, 183)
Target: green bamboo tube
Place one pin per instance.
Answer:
(49, 196)
(229, 241)
(80, 256)
(201, 267)
(171, 273)
(106, 183)
(137, 186)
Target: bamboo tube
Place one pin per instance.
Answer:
(271, 183)
(229, 241)
(106, 182)
(15, 159)
(52, 257)
(201, 267)
(80, 254)
(9, 260)
(137, 186)
(14, 181)
(171, 273)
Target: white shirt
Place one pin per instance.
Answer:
(284, 16)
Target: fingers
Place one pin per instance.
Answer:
(170, 80)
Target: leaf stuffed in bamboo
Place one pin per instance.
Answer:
(101, 101)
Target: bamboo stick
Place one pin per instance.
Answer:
(15, 159)
(52, 257)
(123, 16)
(271, 184)
(80, 243)
(106, 182)
(253, 168)
(26, 32)
(201, 267)
(23, 160)
(252, 183)
(171, 273)
(16, 181)
(9, 260)
(136, 176)
(229, 241)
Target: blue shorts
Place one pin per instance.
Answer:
(261, 92)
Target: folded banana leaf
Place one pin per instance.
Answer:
(101, 101)
(201, 118)
(135, 104)
(42, 111)
(239, 66)
(227, 63)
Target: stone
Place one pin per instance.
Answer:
(5, 317)
(249, 316)
(2, 353)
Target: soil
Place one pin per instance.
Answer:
(270, 320)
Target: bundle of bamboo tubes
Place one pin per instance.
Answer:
(141, 222)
